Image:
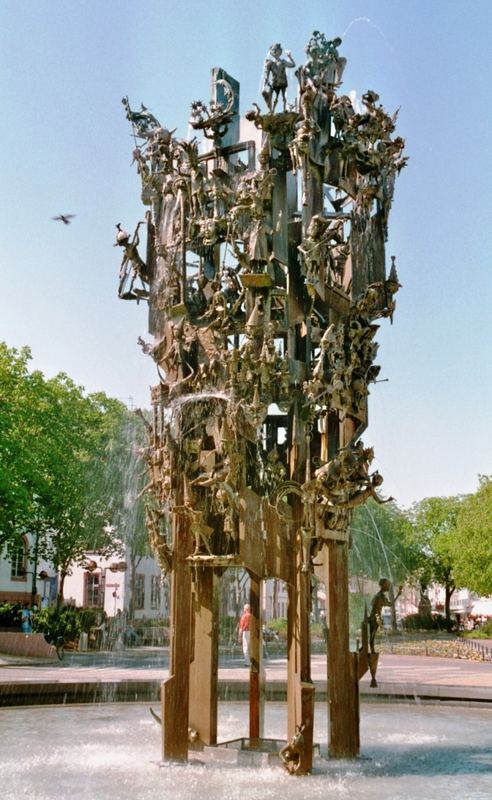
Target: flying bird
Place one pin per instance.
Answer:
(65, 218)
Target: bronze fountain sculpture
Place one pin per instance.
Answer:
(265, 275)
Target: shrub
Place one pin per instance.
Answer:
(10, 615)
(228, 627)
(87, 619)
(317, 630)
(54, 622)
(424, 622)
(483, 632)
(279, 625)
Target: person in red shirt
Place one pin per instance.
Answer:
(244, 631)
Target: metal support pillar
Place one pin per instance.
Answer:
(343, 685)
(204, 665)
(175, 690)
(300, 689)
(257, 673)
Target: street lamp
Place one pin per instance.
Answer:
(43, 576)
(116, 566)
(34, 588)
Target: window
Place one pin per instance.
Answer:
(93, 593)
(155, 592)
(18, 561)
(139, 591)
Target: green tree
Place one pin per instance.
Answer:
(64, 460)
(471, 540)
(21, 475)
(379, 542)
(434, 522)
(78, 430)
(100, 507)
(381, 546)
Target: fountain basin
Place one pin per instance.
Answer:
(113, 751)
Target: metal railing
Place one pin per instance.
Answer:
(483, 650)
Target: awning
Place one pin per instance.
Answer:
(482, 607)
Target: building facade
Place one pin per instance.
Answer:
(101, 582)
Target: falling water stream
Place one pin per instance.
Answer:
(383, 547)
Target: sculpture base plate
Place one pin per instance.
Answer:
(246, 752)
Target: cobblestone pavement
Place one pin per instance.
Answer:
(471, 649)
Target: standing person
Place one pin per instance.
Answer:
(324, 627)
(244, 632)
(275, 76)
(100, 632)
(26, 620)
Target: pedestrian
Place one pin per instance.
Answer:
(244, 632)
(26, 619)
(130, 636)
(324, 627)
(100, 631)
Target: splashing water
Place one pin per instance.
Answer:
(198, 397)
(96, 751)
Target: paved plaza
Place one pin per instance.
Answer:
(142, 669)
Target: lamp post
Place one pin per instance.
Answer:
(43, 575)
(37, 517)
(116, 566)
(34, 588)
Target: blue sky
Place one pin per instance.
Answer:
(66, 147)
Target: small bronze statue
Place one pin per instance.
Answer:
(291, 753)
(379, 601)
(275, 76)
(132, 265)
